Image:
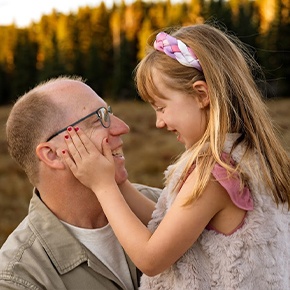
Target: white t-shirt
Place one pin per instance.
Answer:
(103, 243)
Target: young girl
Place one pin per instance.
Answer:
(222, 221)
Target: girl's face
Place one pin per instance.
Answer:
(180, 113)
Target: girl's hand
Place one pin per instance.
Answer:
(93, 168)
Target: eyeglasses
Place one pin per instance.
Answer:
(103, 114)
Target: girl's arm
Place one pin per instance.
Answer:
(139, 203)
(180, 228)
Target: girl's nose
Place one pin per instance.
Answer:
(159, 123)
(118, 127)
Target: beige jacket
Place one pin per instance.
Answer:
(42, 254)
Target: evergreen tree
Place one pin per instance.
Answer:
(104, 44)
(25, 72)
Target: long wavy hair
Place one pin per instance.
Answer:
(236, 106)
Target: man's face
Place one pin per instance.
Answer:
(117, 128)
(82, 102)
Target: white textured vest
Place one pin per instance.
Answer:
(255, 257)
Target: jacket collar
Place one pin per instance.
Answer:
(64, 250)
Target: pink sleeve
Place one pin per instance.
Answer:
(242, 198)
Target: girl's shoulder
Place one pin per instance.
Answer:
(240, 196)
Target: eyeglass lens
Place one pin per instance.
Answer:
(104, 116)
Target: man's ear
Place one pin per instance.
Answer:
(46, 152)
(202, 93)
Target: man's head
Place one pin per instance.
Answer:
(50, 107)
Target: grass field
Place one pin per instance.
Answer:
(148, 152)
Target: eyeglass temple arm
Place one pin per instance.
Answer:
(71, 125)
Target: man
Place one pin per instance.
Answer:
(65, 242)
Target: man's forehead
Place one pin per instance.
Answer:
(72, 91)
(85, 102)
(88, 106)
(85, 107)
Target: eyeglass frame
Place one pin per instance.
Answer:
(109, 110)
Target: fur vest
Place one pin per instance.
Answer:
(256, 256)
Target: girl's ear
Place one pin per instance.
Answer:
(46, 152)
(202, 92)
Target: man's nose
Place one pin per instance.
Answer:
(118, 126)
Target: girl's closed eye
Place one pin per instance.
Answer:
(159, 109)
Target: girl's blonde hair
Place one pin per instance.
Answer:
(236, 105)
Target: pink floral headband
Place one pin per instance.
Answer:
(176, 49)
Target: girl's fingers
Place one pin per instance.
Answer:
(69, 161)
(107, 150)
(80, 146)
(81, 141)
(75, 144)
(86, 162)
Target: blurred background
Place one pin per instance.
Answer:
(103, 42)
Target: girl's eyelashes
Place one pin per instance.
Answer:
(159, 109)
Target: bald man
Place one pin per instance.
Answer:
(65, 242)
